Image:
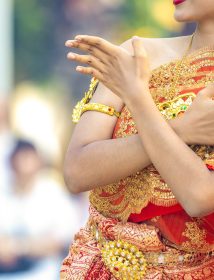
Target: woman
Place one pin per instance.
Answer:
(152, 199)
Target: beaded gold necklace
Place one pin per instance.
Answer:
(178, 65)
(172, 108)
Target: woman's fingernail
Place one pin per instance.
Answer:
(78, 37)
(71, 55)
(68, 43)
(79, 68)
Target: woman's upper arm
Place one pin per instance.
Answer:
(93, 125)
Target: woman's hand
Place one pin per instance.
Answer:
(197, 123)
(125, 74)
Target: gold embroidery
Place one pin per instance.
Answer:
(127, 125)
(112, 199)
(131, 194)
(163, 78)
(196, 238)
(86, 263)
(206, 153)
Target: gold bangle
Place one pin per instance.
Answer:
(84, 105)
(100, 108)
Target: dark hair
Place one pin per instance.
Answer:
(22, 145)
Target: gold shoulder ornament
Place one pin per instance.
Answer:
(84, 105)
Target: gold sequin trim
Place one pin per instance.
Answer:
(132, 194)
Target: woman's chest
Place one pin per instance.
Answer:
(173, 93)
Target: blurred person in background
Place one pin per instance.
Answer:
(37, 219)
(147, 155)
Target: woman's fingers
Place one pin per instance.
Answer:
(98, 42)
(87, 59)
(90, 71)
(97, 60)
(87, 48)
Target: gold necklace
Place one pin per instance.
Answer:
(177, 104)
(173, 89)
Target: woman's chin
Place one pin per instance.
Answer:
(182, 17)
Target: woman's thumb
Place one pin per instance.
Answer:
(141, 58)
(139, 50)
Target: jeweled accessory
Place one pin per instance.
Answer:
(174, 85)
(84, 105)
(126, 261)
(178, 105)
(173, 108)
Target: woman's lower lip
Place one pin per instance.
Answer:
(177, 2)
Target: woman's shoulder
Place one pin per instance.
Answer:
(158, 43)
(161, 50)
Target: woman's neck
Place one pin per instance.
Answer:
(204, 35)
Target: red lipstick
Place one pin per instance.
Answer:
(177, 2)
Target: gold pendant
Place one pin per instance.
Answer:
(171, 109)
(124, 260)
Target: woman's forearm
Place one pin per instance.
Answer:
(104, 162)
(107, 161)
(180, 167)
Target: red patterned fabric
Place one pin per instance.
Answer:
(84, 260)
(155, 229)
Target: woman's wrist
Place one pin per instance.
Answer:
(138, 94)
(179, 126)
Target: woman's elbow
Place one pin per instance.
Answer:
(71, 177)
(202, 204)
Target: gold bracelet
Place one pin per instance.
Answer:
(84, 105)
(100, 108)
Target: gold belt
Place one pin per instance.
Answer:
(126, 261)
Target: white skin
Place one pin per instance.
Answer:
(126, 73)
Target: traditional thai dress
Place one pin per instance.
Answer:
(137, 229)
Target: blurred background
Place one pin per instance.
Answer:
(38, 90)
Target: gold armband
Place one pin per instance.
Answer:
(84, 105)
